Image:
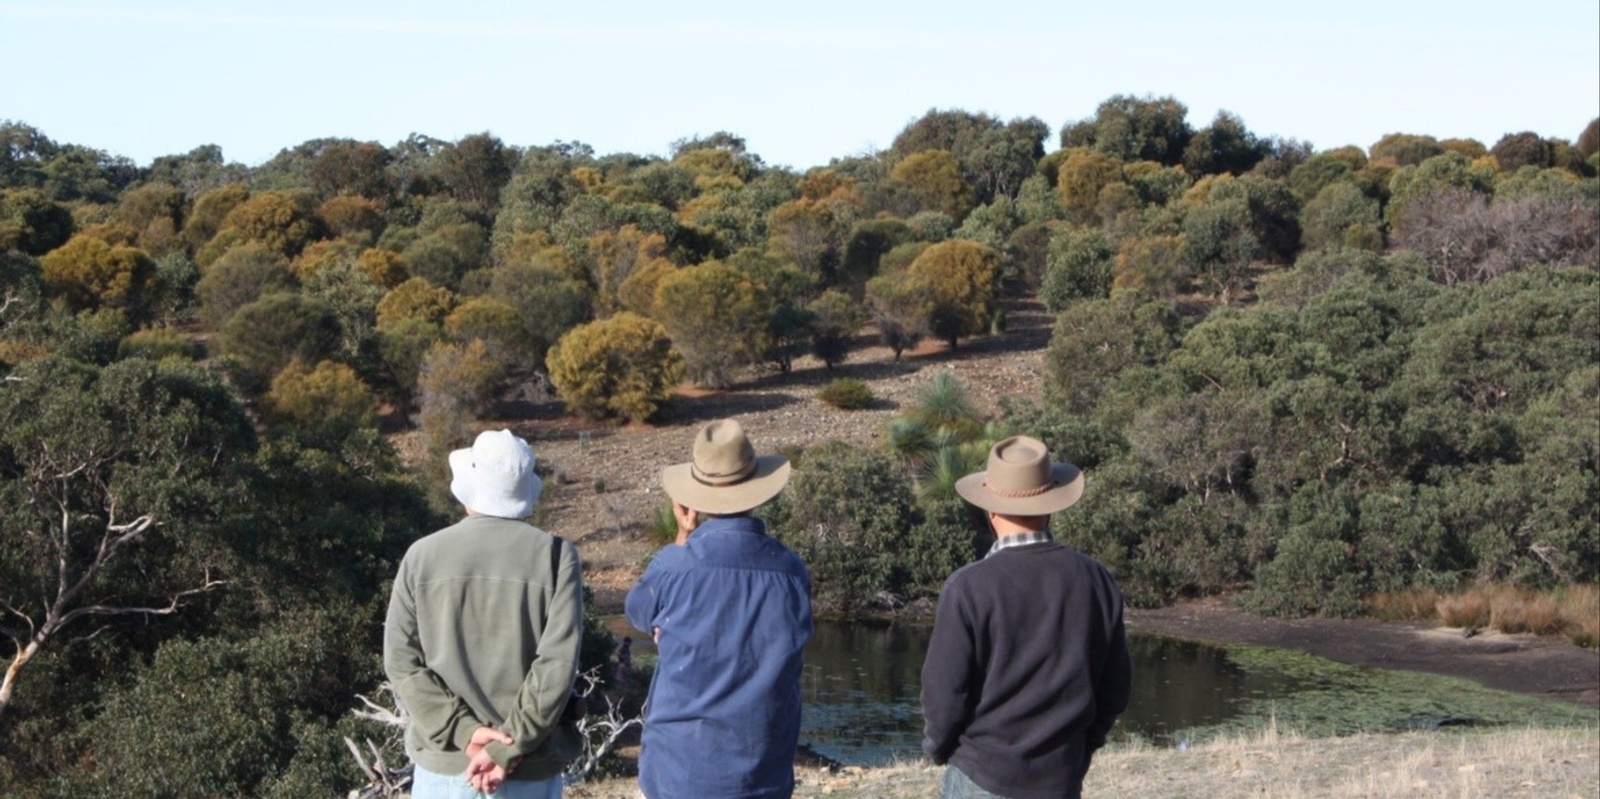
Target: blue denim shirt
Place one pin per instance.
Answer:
(734, 610)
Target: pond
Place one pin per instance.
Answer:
(862, 682)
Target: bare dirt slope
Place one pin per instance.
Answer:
(607, 478)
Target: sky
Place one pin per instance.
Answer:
(801, 83)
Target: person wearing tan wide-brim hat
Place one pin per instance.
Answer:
(1022, 481)
(725, 474)
(1028, 665)
(729, 608)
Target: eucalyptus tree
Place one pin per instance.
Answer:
(116, 487)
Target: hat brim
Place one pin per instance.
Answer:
(769, 478)
(1066, 488)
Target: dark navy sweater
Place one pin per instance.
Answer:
(1026, 671)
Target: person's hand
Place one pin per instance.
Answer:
(486, 781)
(481, 738)
(480, 766)
(687, 518)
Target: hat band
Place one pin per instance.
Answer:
(716, 480)
(1018, 494)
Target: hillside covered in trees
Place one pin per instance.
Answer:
(1299, 377)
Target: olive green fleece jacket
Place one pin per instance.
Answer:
(480, 633)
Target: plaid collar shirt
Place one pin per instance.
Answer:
(1020, 540)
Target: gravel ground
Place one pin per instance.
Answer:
(606, 482)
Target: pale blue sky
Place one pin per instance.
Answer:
(801, 82)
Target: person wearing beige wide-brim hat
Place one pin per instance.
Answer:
(1028, 666)
(729, 608)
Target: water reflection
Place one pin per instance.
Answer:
(862, 682)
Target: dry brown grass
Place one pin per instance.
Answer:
(1559, 763)
(1572, 611)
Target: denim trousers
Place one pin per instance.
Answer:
(426, 784)
(960, 786)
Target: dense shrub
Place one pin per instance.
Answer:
(620, 367)
(846, 393)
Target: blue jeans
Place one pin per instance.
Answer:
(960, 786)
(426, 784)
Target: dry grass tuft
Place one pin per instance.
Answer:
(1412, 604)
(1573, 611)
(1469, 609)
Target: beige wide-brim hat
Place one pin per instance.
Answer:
(1022, 481)
(725, 475)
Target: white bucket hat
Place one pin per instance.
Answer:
(495, 476)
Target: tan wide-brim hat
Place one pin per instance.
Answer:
(726, 475)
(1022, 481)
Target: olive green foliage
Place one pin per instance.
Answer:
(1364, 429)
(835, 319)
(846, 394)
(1341, 215)
(962, 278)
(114, 483)
(248, 741)
(934, 181)
(1079, 267)
(267, 334)
(846, 512)
(714, 314)
(31, 222)
(547, 303)
(241, 276)
(623, 366)
(901, 305)
(157, 345)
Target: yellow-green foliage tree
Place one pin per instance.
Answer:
(386, 267)
(415, 299)
(962, 276)
(715, 316)
(320, 255)
(324, 404)
(621, 366)
(1084, 174)
(348, 216)
(93, 274)
(206, 218)
(155, 213)
(498, 326)
(617, 255)
(1151, 264)
(935, 180)
(280, 221)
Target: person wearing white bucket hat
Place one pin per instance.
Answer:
(729, 608)
(482, 636)
(1028, 665)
